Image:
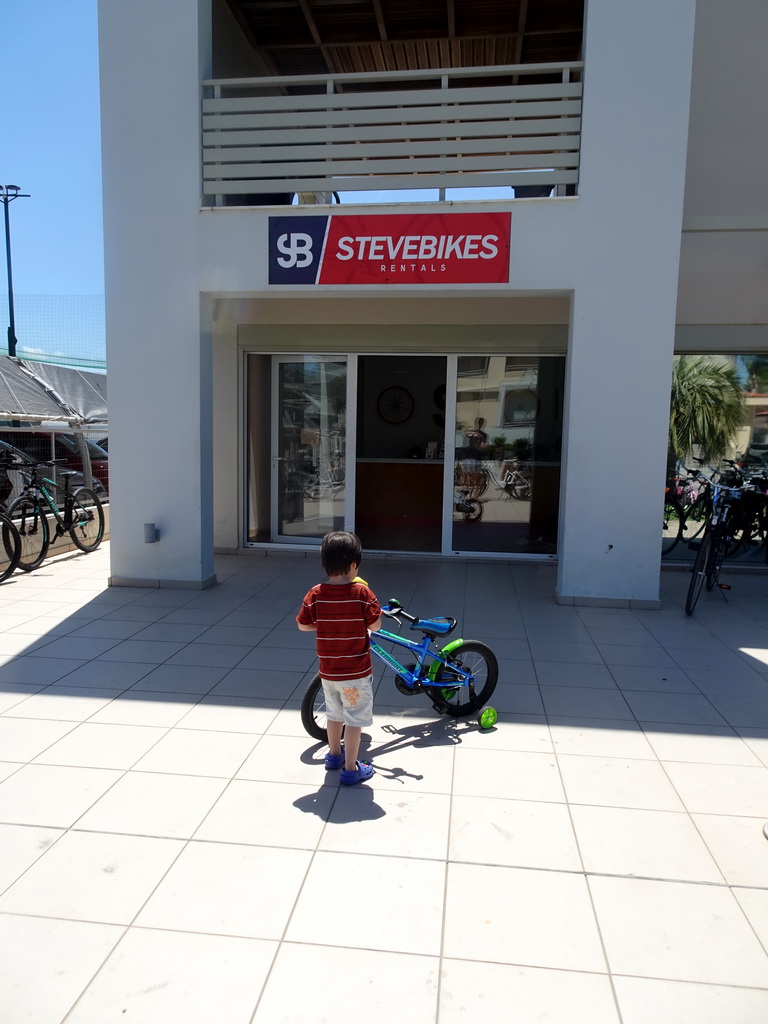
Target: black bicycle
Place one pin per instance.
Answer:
(717, 540)
(81, 516)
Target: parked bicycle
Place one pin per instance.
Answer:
(81, 515)
(10, 549)
(716, 541)
(470, 508)
(518, 481)
(459, 679)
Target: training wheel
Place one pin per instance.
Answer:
(487, 718)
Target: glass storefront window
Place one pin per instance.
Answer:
(509, 427)
(745, 459)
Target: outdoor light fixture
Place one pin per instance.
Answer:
(7, 194)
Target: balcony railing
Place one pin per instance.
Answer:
(449, 128)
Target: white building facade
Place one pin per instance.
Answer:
(280, 370)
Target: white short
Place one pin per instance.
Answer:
(350, 702)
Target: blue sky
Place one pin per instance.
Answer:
(49, 145)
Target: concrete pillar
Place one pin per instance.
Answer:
(627, 244)
(153, 57)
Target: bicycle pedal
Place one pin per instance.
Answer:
(724, 586)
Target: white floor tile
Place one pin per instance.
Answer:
(720, 789)
(397, 889)
(511, 732)
(27, 669)
(617, 782)
(677, 931)
(519, 916)
(738, 845)
(144, 708)
(384, 987)
(89, 876)
(754, 903)
(180, 679)
(231, 714)
(416, 823)
(21, 846)
(585, 702)
(39, 794)
(685, 708)
(226, 889)
(46, 964)
(156, 977)
(268, 814)
(652, 678)
(21, 739)
(561, 673)
(570, 653)
(606, 738)
(509, 774)
(101, 746)
(65, 703)
(197, 752)
(702, 743)
(255, 685)
(171, 806)
(517, 833)
(672, 1002)
(109, 674)
(499, 994)
(652, 844)
(153, 651)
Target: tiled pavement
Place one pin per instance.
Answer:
(171, 849)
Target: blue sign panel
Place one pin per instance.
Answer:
(295, 249)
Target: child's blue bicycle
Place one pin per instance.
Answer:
(458, 679)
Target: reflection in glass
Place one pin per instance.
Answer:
(508, 443)
(311, 447)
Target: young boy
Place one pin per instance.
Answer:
(341, 612)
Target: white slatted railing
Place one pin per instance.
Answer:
(451, 128)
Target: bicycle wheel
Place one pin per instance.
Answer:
(672, 526)
(87, 527)
(10, 552)
(32, 525)
(461, 699)
(472, 510)
(313, 711)
(715, 564)
(521, 487)
(695, 516)
(699, 574)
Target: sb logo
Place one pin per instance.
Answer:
(296, 249)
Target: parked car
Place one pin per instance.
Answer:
(11, 480)
(36, 445)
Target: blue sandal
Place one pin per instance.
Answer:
(334, 761)
(362, 773)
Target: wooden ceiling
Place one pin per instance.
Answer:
(319, 37)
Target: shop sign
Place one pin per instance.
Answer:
(366, 249)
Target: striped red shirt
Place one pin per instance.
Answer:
(342, 613)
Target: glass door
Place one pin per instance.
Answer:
(308, 474)
(509, 431)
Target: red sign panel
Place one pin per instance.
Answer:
(401, 248)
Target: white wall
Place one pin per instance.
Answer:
(615, 249)
(159, 359)
(724, 258)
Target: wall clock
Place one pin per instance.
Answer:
(395, 404)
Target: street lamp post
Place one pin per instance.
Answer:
(7, 194)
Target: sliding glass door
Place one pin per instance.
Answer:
(309, 405)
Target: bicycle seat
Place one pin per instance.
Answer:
(439, 626)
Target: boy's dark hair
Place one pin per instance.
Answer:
(339, 550)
